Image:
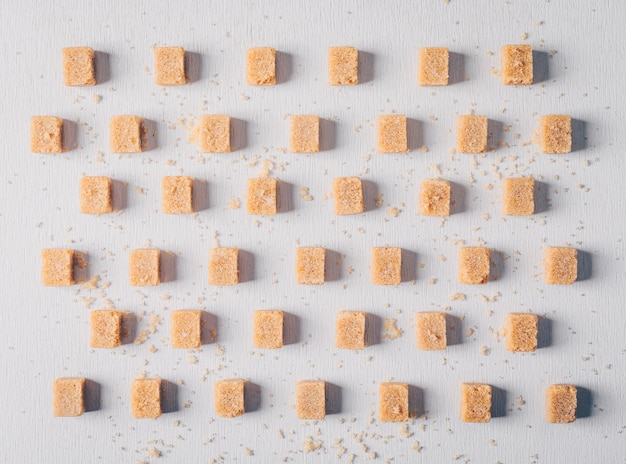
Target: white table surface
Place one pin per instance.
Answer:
(45, 331)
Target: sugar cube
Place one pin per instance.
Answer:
(78, 66)
(393, 402)
(46, 134)
(311, 399)
(68, 396)
(169, 65)
(350, 330)
(392, 134)
(386, 266)
(433, 66)
(261, 66)
(474, 265)
(475, 402)
(343, 66)
(223, 266)
(471, 133)
(229, 397)
(145, 267)
(560, 265)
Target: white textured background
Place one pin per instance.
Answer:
(45, 331)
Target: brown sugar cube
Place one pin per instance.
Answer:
(310, 265)
(392, 136)
(262, 195)
(561, 403)
(517, 64)
(433, 67)
(555, 133)
(229, 397)
(145, 267)
(176, 194)
(185, 329)
(474, 265)
(57, 268)
(518, 196)
(393, 402)
(350, 330)
(475, 402)
(311, 399)
(261, 66)
(169, 65)
(560, 265)
(46, 134)
(68, 396)
(268, 329)
(95, 195)
(348, 193)
(145, 398)
(212, 133)
(343, 66)
(434, 197)
(521, 331)
(471, 134)
(386, 266)
(78, 66)
(305, 134)
(125, 134)
(431, 331)
(223, 266)
(106, 328)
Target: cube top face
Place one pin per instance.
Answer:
(433, 66)
(518, 196)
(229, 397)
(145, 398)
(521, 331)
(57, 268)
(555, 133)
(475, 402)
(261, 66)
(212, 133)
(343, 66)
(185, 327)
(394, 402)
(262, 195)
(268, 329)
(386, 266)
(471, 133)
(176, 192)
(145, 267)
(311, 399)
(431, 331)
(125, 134)
(68, 396)
(95, 195)
(392, 134)
(350, 330)
(305, 134)
(517, 64)
(310, 263)
(223, 266)
(106, 328)
(78, 66)
(434, 199)
(46, 134)
(474, 265)
(169, 64)
(560, 265)
(561, 403)
(348, 193)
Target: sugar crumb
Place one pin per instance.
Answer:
(391, 330)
